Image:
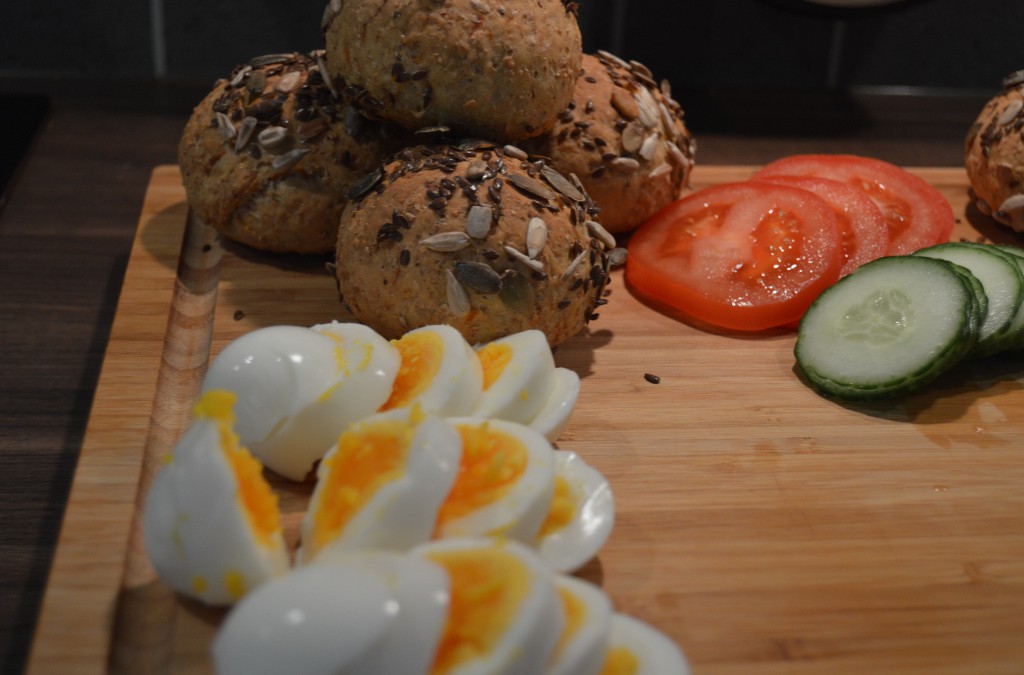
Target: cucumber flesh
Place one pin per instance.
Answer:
(1016, 338)
(1003, 282)
(892, 326)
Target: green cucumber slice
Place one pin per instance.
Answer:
(1003, 282)
(892, 326)
(1017, 341)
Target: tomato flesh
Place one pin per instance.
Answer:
(916, 213)
(862, 227)
(742, 256)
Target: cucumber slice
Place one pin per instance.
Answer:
(1017, 253)
(1003, 282)
(980, 304)
(893, 325)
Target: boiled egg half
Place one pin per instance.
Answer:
(212, 528)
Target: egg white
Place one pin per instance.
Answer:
(528, 640)
(553, 416)
(520, 510)
(402, 511)
(349, 615)
(298, 388)
(526, 378)
(655, 652)
(455, 386)
(197, 531)
(582, 652)
(570, 546)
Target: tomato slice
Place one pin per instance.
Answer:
(862, 227)
(743, 256)
(918, 215)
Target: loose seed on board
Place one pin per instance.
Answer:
(535, 265)
(478, 276)
(536, 236)
(653, 379)
(446, 241)
(478, 221)
(455, 294)
(602, 235)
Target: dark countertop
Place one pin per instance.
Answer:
(69, 212)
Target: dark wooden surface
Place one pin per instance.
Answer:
(69, 213)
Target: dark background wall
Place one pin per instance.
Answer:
(944, 45)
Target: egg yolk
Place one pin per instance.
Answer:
(487, 588)
(563, 508)
(493, 359)
(259, 502)
(367, 457)
(491, 464)
(575, 615)
(620, 661)
(421, 354)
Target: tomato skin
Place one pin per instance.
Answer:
(918, 215)
(863, 228)
(742, 256)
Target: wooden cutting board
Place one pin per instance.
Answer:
(764, 528)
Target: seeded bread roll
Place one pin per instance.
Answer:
(994, 155)
(268, 156)
(501, 70)
(624, 136)
(475, 236)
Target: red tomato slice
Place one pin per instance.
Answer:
(743, 256)
(918, 215)
(862, 227)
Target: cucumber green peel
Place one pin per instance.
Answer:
(897, 323)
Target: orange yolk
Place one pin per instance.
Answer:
(493, 359)
(258, 500)
(421, 355)
(491, 464)
(367, 457)
(575, 614)
(563, 508)
(487, 588)
(620, 661)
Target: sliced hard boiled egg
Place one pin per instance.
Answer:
(636, 648)
(581, 516)
(505, 482)
(504, 616)
(519, 373)
(553, 416)
(212, 524)
(583, 643)
(366, 613)
(439, 371)
(382, 484)
(298, 388)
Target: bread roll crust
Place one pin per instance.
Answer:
(496, 70)
(474, 237)
(994, 155)
(269, 154)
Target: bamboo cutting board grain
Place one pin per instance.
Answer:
(764, 528)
